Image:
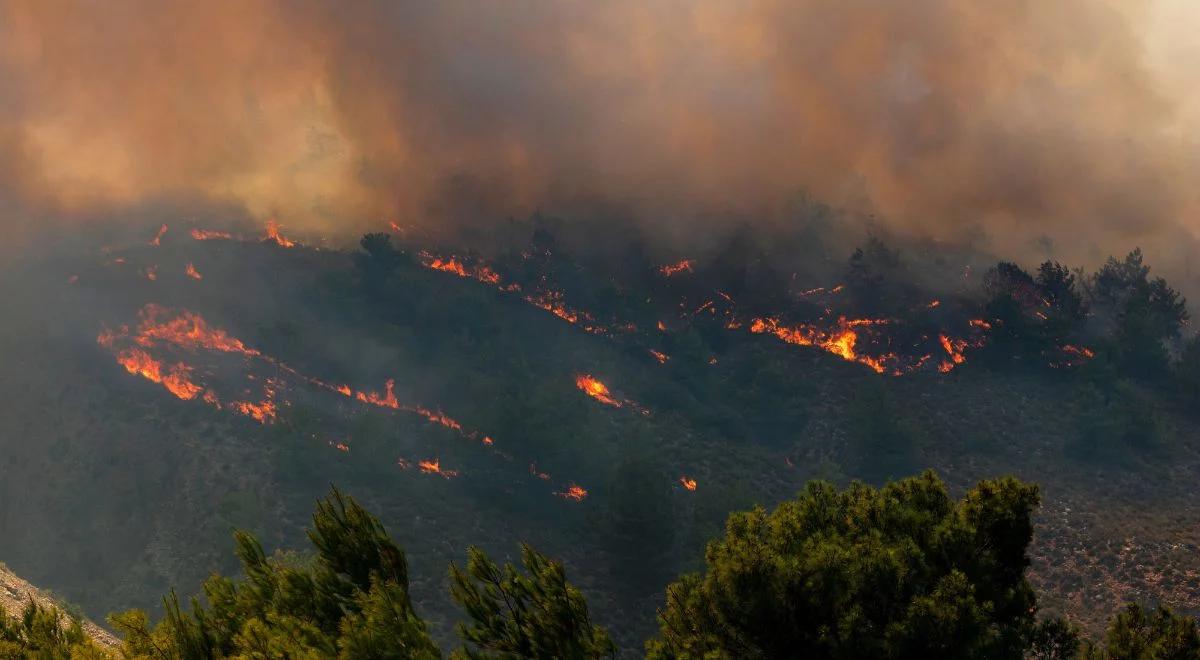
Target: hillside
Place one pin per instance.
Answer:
(157, 396)
(15, 593)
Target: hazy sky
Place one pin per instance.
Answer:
(1019, 118)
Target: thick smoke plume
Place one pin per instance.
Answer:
(1016, 120)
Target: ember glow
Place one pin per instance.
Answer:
(681, 266)
(573, 492)
(192, 272)
(954, 349)
(157, 240)
(211, 235)
(434, 466)
(689, 484)
(659, 355)
(388, 400)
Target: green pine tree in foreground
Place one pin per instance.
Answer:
(902, 571)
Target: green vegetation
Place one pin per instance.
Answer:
(45, 633)
(903, 571)
(750, 418)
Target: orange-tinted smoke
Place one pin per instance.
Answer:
(1018, 117)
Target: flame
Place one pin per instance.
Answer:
(157, 240)
(662, 327)
(176, 379)
(192, 272)
(151, 273)
(934, 303)
(980, 323)
(573, 492)
(211, 235)
(954, 350)
(683, 265)
(689, 484)
(264, 411)
(187, 330)
(596, 390)
(840, 341)
(1080, 351)
(660, 356)
(274, 235)
(388, 400)
(434, 466)
(452, 264)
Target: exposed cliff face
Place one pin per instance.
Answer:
(15, 593)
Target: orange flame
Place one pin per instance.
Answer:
(674, 269)
(210, 235)
(388, 400)
(980, 323)
(596, 390)
(573, 492)
(192, 272)
(689, 484)
(434, 466)
(176, 380)
(157, 240)
(187, 330)
(264, 411)
(274, 235)
(840, 341)
(660, 356)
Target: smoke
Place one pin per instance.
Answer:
(1015, 120)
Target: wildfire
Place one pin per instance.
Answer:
(176, 379)
(683, 265)
(933, 304)
(450, 265)
(151, 273)
(187, 330)
(596, 390)
(274, 235)
(157, 240)
(388, 400)
(689, 484)
(1079, 351)
(840, 341)
(660, 356)
(573, 492)
(954, 349)
(434, 466)
(980, 323)
(210, 235)
(192, 272)
(264, 411)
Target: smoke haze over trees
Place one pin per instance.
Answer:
(1069, 126)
